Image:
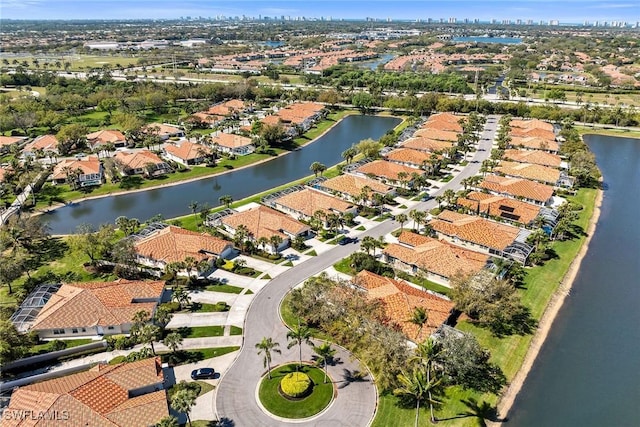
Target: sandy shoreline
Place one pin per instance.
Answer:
(186, 181)
(549, 315)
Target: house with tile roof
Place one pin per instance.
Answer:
(96, 308)
(439, 260)
(518, 188)
(536, 157)
(389, 173)
(230, 108)
(429, 145)
(84, 172)
(163, 130)
(502, 207)
(233, 144)
(187, 153)
(47, 144)
(350, 186)
(7, 141)
(142, 162)
(407, 157)
(262, 221)
(445, 122)
(482, 235)
(97, 140)
(204, 118)
(400, 300)
(534, 142)
(531, 124)
(174, 244)
(439, 135)
(123, 395)
(304, 203)
(543, 174)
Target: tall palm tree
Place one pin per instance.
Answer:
(226, 200)
(193, 207)
(173, 341)
(325, 353)
(275, 241)
(349, 154)
(266, 347)
(317, 168)
(147, 334)
(416, 386)
(183, 400)
(368, 243)
(297, 336)
(181, 296)
(419, 317)
(401, 218)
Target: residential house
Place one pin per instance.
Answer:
(400, 300)
(98, 140)
(502, 207)
(439, 135)
(233, 144)
(482, 234)
(231, 108)
(531, 124)
(45, 144)
(351, 187)
(262, 221)
(437, 259)
(7, 141)
(297, 117)
(411, 158)
(535, 157)
(427, 144)
(164, 131)
(174, 244)
(543, 174)
(96, 308)
(444, 122)
(203, 117)
(141, 162)
(535, 142)
(84, 172)
(187, 153)
(122, 395)
(389, 173)
(518, 188)
(304, 203)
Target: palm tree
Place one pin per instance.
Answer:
(317, 168)
(147, 334)
(173, 341)
(401, 218)
(325, 353)
(416, 386)
(349, 154)
(419, 317)
(181, 296)
(193, 207)
(275, 241)
(450, 196)
(368, 243)
(297, 336)
(482, 411)
(226, 200)
(168, 421)
(183, 400)
(418, 217)
(266, 346)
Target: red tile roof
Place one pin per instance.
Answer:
(533, 156)
(105, 136)
(263, 221)
(407, 155)
(97, 303)
(427, 144)
(529, 171)
(440, 135)
(400, 300)
(95, 397)
(187, 150)
(475, 230)
(230, 140)
(175, 244)
(90, 165)
(500, 206)
(43, 142)
(137, 159)
(388, 170)
(353, 185)
(435, 256)
(518, 187)
(308, 201)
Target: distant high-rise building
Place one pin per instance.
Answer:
(494, 21)
(543, 22)
(476, 21)
(554, 22)
(452, 20)
(518, 21)
(529, 21)
(506, 22)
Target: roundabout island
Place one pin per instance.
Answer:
(292, 392)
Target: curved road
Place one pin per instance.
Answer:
(355, 403)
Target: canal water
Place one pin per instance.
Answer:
(588, 371)
(173, 201)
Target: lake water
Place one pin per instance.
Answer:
(502, 40)
(174, 200)
(588, 370)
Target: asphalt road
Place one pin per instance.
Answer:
(355, 403)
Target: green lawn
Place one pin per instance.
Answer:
(273, 402)
(236, 330)
(47, 347)
(291, 320)
(624, 133)
(201, 307)
(198, 331)
(227, 289)
(508, 352)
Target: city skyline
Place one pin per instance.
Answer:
(570, 11)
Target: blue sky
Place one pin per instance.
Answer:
(573, 11)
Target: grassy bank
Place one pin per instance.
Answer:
(507, 352)
(624, 133)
